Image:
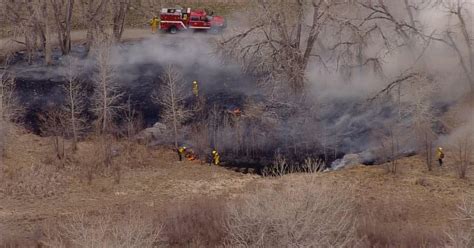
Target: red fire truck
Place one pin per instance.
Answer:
(176, 19)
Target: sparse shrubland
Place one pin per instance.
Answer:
(306, 215)
(105, 230)
(288, 88)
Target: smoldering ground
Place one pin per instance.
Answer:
(340, 113)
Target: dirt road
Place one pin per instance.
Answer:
(7, 44)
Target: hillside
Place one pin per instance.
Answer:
(296, 123)
(399, 209)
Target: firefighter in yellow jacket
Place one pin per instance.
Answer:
(154, 23)
(181, 151)
(215, 157)
(195, 88)
(440, 155)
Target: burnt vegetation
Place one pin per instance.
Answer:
(292, 86)
(284, 104)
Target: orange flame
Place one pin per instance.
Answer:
(191, 157)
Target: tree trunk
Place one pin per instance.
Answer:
(47, 48)
(73, 117)
(119, 18)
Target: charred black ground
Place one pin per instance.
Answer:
(250, 139)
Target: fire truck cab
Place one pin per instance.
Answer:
(177, 19)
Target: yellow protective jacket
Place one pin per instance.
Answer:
(439, 154)
(154, 22)
(196, 89)
(216, 159)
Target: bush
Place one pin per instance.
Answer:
(196, 223)
(462, 234)
(303, 216)
(103, 231)
(463, 154)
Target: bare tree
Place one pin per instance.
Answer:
(40, 12)
(171, 96)
(418, 110)
(75, 102)
(31, 23)
(94, 13)
(9, 107)
(133, 123)
(463, 45)
(120, 9)
(106, 94)
(62, 12)
(280, 42)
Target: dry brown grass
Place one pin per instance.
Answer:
(196, 223)
(409, 209)
(390, 223)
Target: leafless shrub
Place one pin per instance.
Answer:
(278, 168)
(390, 149)
(132, 121)
(108, 230)
(463, 153)
(300, 216)
(281, 166)
(53, 125)
(196, 223)
(462, 234)
(312, 165)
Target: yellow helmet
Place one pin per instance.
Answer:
(440, 148)
(214, 152)
(195, 82)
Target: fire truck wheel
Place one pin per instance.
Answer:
(214, 30)
(173, 30)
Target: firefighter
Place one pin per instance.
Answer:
(181, 151)
(195, 88)
(154, 23)
(440, 155)
(215, 157)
